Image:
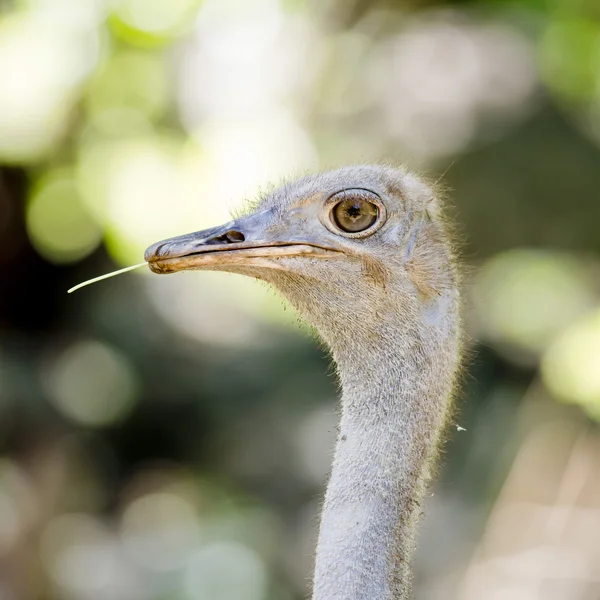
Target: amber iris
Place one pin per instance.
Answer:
(354, 214)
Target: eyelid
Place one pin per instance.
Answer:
(348, 191)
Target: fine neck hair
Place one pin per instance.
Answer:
(393, 411)
(396, 352)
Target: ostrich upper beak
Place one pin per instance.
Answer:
(246, 242)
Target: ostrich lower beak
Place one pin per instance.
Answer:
(243, 243)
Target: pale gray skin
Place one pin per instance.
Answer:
(387, 305)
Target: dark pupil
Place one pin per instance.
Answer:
(354, 214)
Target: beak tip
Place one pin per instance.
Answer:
(152, 253)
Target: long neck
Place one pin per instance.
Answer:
(396, 387)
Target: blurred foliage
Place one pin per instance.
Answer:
(168, 437)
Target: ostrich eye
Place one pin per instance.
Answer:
(354, 214)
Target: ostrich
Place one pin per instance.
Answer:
(363, 255)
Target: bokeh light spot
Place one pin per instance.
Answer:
(526, 297)
(41, 68)
(152, 21)
(570, 57)
(160, 531)
(92, 384)
(221, 309)
(59, 224)
(450, 71)
(132, 81)
(79, 554)
(225, 570)
(571, 367)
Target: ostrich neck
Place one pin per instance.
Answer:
(393, 410)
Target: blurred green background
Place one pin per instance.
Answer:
(168, 438)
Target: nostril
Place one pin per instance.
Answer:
(229, 237)
(235, 236)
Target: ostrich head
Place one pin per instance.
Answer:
(348, 248)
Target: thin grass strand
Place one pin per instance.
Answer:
(90, 281)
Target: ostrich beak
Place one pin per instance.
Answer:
(245, 242)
